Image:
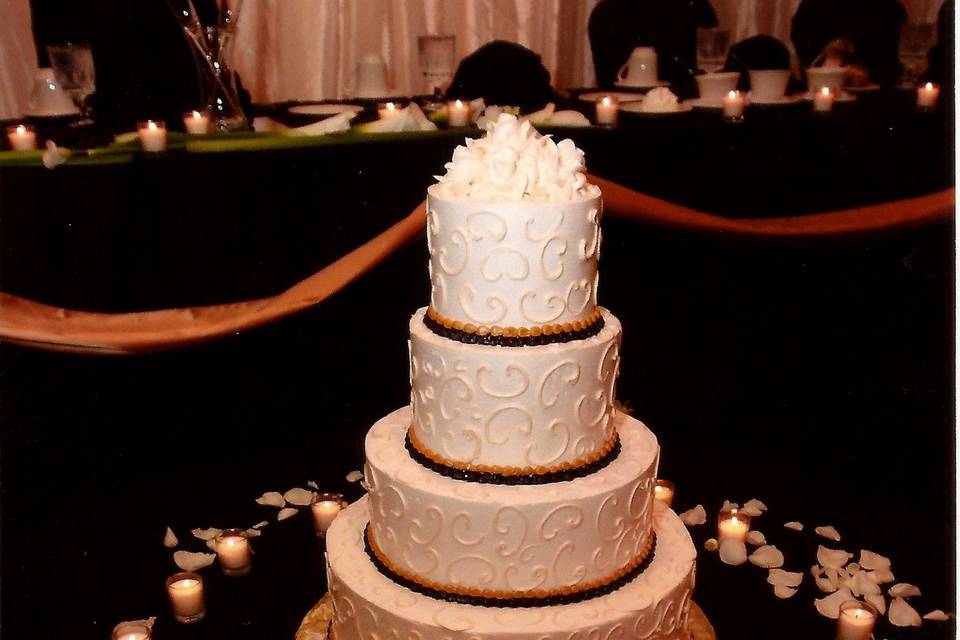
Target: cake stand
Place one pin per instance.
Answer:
(317, 621)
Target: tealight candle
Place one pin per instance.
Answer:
(663, 491)
(823, 100)
(607, 110)
(927, 96)
(233, 550)
(388, 110)
(458, 113)
(733, 105)
(22, 137)
(196, 122)
(131, 631)
(153, 135)
(185, 591)
(325, 507)
(733, 524)
(856, 620)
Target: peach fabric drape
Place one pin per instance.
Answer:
(18, 58)
(42, 326)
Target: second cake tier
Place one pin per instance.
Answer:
(513, 411)
(501, 541)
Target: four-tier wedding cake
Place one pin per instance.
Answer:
(511, 500)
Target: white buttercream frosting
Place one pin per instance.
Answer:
(513, 161)
(660, 100)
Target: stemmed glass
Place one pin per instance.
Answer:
(916, 38)
(437, 60)
(73, 67)
(713, 45)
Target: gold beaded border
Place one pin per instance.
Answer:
(515, 332)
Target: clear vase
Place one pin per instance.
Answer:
(219, 83)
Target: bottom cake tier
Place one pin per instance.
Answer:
(369, 605)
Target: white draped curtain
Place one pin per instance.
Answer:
(308, 49)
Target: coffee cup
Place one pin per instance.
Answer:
(47, 97)
(713, 86)
(769, 85)
(371, 77)
(641, 69)
(833, 77)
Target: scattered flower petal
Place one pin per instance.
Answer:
(767, 557)
(212, 544)
(729, 505)
(206, 534)
(829, 533)
(902, 614)
(286, 513)
(733, 552)
(754, 508)
(784, 592)
(253, 533)
(796, 526)
(298, 496)
(853, 567)
(355, 476)
(695, 516)
(833, 558)
(261, 524)
(903, 590)
(193, 560)
(863, 585)
(936, 615)
(170, 539)
(271, 499)
(830, 606)
(756, 538)
(871, 560)
(781, 578)
(313, 485)
(878, 601)
(711, 544)
(53, 157)
(881, 576)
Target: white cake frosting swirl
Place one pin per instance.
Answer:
(515, 162)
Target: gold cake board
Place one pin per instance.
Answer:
(317, 621)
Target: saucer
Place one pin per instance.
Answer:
(622, 96)
(623, 84)
(325, 109)
(712, 103)
(52, 113)
(776, 102)
(841, 97)
(637, 107)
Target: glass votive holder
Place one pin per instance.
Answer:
(196, 122)
(663, 492)
(389, 109)
(185, 590)
(22, 137)
(733, 105)
(153, 135)
(927, 96)
(458, 113)
(138, 630)
(732, 524)
(325, 507)
(823, 100)
(608, 108)
(234, 553)
(856, 620)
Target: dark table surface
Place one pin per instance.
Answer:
(816, 377)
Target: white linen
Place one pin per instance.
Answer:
(19, 58)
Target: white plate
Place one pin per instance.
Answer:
(779, 102)
(328, 109)
(51, 114)
(873, 86)
(841, 97)
(622, 96)
(711, 103)
(623, 84)
(637, 107)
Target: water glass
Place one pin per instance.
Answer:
(73, 67)
(713, 45)
(437, 60)
(916, 38)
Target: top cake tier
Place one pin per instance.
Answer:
(513, 231)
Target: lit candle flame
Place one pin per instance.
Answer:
(606, 101)
(825, 91)
(459, 104)
(21, 130)
(732, 94)
(391, 106)
(929, 86)
(196, 115)
(151, 125)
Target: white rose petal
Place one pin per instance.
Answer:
(784, 592)
(781, 578)
(903, 590)
(833, 558)
(936, 615)
(286, 513)
(271, 499)
(902, 614)
(313, 485)
(796, 526)
(355, 476)
(881, 576)
(170, 539)
(261, 524)
(863, 585)
(206, 534)
(823, 582)
(871, 560)
(212, 544)
(767, 557)
(711, 544)
(53, 157)
(829, 533)
(695, 516)
(756, 538)
(729, 505)
(298, 496)
(754, 508)
(253, 533)
(878, 601)
(830, 606)
(733, 552)
(193, 560)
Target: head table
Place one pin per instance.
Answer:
(812, 375)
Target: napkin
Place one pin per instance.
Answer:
(410, 118)
(333, 124)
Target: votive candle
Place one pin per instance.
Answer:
(458, 113)
(131, 631)
(153, 135)
(185, 591)
(856, 620)
(733, 524)
(196, 122)
(233, 550)
(823, 100)
(22, 137)
(927, 96)
(608, 109)
(663, 492)
(388, 110)
(325, 507)
(733, 105)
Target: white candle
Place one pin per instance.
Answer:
(325, 508)
(733, 105)
(823, 100)
(388, 110)
(927, 96)
(856, 621)
(195, 122)
(663, 491)
(233, 550)
(153, 135)
(607, 110)
(22, 137)
(185, 591)
(733, 525)
(458, 113)
(131, 631)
